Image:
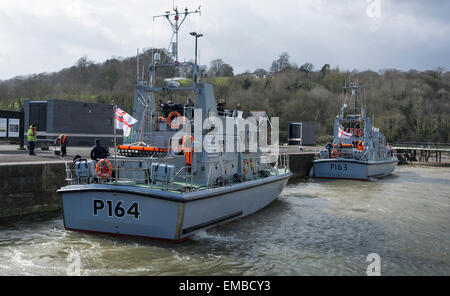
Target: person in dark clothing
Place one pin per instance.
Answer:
(165, 108)
(189, 106)
(221, 108)
(99, 152)
(62, 140)
(329, 147)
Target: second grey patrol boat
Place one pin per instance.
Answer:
(359, 150)
(152, 189)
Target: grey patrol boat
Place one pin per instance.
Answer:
(359, 150)
(165, 184)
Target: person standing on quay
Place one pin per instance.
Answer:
(62, 140)
(31, 135)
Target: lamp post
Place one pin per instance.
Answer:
(196, 35)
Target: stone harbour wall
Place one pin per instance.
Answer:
(29, 188)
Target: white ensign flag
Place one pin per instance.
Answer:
(124, 121)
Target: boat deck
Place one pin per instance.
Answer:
(180, 187)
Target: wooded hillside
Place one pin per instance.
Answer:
(408, 106)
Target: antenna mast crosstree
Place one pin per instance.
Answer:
(176, 24)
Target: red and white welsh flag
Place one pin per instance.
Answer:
(124, 121)
(343, 134)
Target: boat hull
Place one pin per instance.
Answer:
(144, 212)
(352, 169)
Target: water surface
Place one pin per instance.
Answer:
(314, 228)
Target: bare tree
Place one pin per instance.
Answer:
(281, 64)
(219, 68)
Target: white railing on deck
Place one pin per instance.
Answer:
(134, 172)
(129, 172)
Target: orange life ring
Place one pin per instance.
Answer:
(360, 146)
(171, 116)
(104, 168)
(245, 166)
(349, 131)
(334, 153)
(359, 133)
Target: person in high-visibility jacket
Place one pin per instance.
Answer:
(62, 140)
(31, 135)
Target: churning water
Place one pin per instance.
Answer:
(314, 228)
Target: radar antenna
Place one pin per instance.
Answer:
(176, 24)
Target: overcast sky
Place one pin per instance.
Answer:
(49, 35)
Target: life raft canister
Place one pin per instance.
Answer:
(104, 168)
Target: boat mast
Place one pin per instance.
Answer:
(176, 24)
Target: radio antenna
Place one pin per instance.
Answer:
(137, 65)
(176, 24)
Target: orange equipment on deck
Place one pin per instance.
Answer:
(137, 151)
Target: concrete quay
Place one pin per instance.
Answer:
(28, 183)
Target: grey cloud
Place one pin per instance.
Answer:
(246, 34)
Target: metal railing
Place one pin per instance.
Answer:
(421, 145)
(135, 172)
(84, 172)
(355, 154)
(282, 163)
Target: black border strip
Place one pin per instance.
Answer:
(211, 222)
